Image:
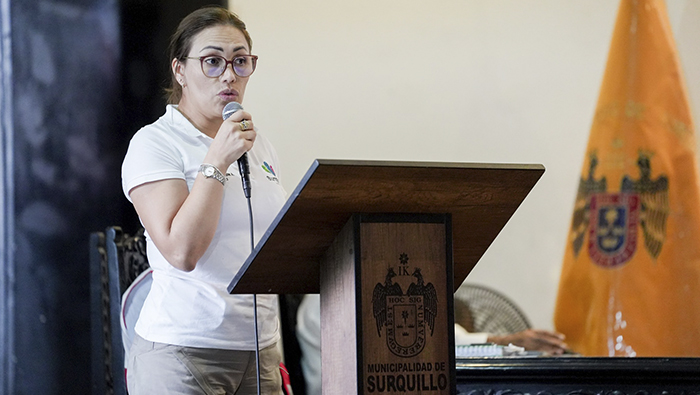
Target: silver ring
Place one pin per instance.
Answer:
(244, 125)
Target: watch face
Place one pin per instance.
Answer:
(209, 171)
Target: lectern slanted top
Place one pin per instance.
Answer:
(481, 198)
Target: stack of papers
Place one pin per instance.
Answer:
(488, 350)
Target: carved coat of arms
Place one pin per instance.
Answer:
(407, 316)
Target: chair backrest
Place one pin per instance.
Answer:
(101, 353)
(116, 260)
(489, 311)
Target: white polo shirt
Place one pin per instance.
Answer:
(194, 308)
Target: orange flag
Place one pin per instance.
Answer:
(630, 282)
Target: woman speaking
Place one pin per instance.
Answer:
(181, 176)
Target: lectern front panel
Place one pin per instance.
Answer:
(407, 333)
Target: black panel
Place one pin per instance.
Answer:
(77, 100)
(578, 376)
(65, 56)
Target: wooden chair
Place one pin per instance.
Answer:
(116, 259)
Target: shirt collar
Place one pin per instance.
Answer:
(182, 123)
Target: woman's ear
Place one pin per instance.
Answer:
(177, 66)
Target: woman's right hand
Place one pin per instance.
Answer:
(231, 141)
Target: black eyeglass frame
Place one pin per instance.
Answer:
(253, 58)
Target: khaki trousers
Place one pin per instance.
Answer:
(157, 368)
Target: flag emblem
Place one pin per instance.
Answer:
(611, 219)
(612, 238)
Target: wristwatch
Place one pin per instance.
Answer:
(210, 171)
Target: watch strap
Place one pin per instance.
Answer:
(215, 174)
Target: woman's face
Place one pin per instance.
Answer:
(204, 96)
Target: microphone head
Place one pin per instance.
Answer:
(230, 108)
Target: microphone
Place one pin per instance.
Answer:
(243, 167)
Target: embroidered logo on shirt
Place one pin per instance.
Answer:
(272, 176)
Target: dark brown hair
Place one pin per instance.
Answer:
(190, 26)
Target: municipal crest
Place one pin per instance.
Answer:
(408, 317)
(612, 234)
(612, 220)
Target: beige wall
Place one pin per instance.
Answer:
(449, 80)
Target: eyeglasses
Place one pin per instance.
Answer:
(214, 66)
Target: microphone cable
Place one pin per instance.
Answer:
(255, 296)
(244, 170)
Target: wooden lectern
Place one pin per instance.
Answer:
(386, 244)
